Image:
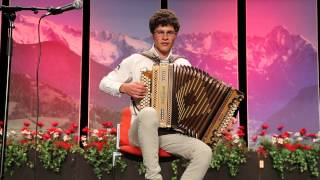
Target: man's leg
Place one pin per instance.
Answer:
(144, 133)
(189, 148)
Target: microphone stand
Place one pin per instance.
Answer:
(10, 13)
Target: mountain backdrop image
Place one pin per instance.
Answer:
(282, 72)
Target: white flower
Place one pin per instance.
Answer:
(11, 133)
(56, 135)
(83, 138)
(25, 132)
(84, 144)
(273, 140)
(29, 136)
(297, 134)
(280, 140)
(300, 138)
(235, 138)
(95, 132)
(66, 138)
(100, 138)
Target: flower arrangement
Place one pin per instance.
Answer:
(98, 148)
(53, 144)
(287, 150)
(16, 155)
(290, 151)
(231, 150)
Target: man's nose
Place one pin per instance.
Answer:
(165, 36)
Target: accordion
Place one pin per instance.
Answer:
(190, 101)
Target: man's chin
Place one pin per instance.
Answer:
(165, 50)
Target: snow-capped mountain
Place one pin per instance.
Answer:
(105, 47)
(280, 64)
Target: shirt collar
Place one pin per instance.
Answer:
(154, 51)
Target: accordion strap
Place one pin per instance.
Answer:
(156, 59)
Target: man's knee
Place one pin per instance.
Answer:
(147, 110)
(204, 153)
(148, 117)
(207, 152)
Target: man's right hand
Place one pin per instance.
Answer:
(137, 90)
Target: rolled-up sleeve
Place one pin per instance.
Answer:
(122, 73)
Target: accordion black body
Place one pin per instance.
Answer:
(189, 100)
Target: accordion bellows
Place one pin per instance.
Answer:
(190, 101)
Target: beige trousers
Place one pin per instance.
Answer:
(144, 134)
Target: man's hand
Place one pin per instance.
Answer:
(137, 90)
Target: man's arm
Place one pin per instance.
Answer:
(119, 81)
(112, 82)
(137, 90)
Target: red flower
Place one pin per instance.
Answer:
(40, 124)
(240, 133)
(74, 126)
(298, 146)
(264, 126)
(23, 141)
(24, 128)
(62, 144)
(280, 127)
(262, 151)
(241, 127)
(290, 147)
(113, 131)
(54, 130)
(34, 133)
(312, 135)
(86, 130)
(1, 123)
(254, 138)
(76, 138)
(26, 123)
(107, 124)
(263, 132)
(285, 134)
(101, 132)
(303, 131)
(72, 131)
(97, 145)
(67, 132)
(54, 124)
(46, 136)
(227, 136)
(306, 147)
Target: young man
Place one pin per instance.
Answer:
(144, 133)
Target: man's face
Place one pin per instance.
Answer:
(164, 37)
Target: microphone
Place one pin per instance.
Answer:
(77, 4)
